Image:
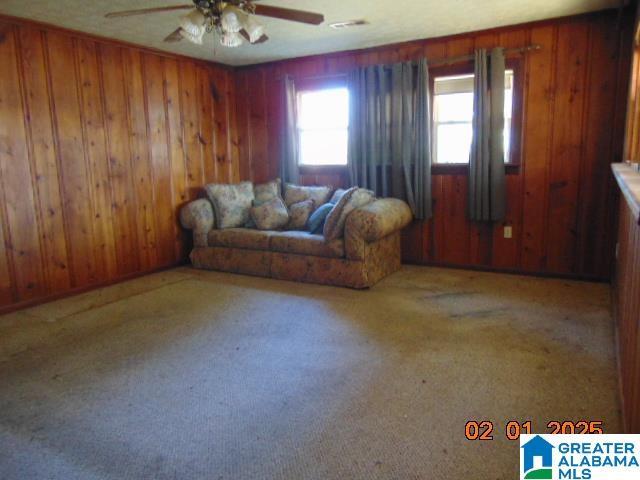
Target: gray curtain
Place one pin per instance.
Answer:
(389, 132)
(290, 150)
(487, 198)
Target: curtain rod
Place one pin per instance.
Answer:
(440, 61)
(462, 58)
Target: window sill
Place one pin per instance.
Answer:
(315, 169)
(463, 168)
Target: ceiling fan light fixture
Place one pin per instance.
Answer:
(254, 28)
(192, 26)
(231, 19)
(231, 39)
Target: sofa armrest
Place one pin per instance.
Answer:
(198, 216)
(374, 222)
(379, 218)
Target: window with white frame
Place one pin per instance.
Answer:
(323, 126)
(453, 115)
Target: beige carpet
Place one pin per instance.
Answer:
(203, 375)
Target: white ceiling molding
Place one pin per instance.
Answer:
(388, 22)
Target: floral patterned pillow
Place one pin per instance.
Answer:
(299, 214)
(298, 193)
(351, 199)
(266, 191)
(231, 203)
(272, 215)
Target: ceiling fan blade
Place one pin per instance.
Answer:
(144, 11)
(174, 36)
(289, 14)
(246, 36)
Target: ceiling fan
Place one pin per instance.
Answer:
(232, 20)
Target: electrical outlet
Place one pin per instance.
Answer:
(507, 231)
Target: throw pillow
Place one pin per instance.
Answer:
(316, 220)
(298, 193)
(337, 195)
(272, 215)
(353, 198)
(299, 214)
(231, 203)
(265, 192)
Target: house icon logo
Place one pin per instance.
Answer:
(537, 461)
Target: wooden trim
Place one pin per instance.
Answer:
(86, 288)
(322, 169)
(628, 178)
(321, 82)
(510, 271)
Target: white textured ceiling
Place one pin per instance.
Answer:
(389, 21)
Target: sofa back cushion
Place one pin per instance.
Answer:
(299, 214)
(231, 203)
(265, 192)
(272, 215)
(351, 199)
(299, 193)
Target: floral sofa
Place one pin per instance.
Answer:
(366, 249)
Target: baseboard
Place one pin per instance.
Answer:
(509, 271)
(86, 288)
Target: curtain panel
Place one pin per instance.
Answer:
(389, 148)
(487, 196)
(290, 148)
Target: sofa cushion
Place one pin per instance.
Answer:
(272, 215)
(351, 199)
(316, 220)
(299, 214)
(298, 193)
(231, 203)
(240, 238)
(337, 195)
(265, 192)
(304, 243)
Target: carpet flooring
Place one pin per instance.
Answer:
(202, 375)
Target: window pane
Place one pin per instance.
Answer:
(454, 143)
(457, 107)
(508, 101)
(323, 109)
(323, 147)
(453, 113)
(507, 141)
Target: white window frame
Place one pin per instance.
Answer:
(299, 129)
(464, 84)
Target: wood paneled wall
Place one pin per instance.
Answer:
(627, 312)
(559, 199)
(100, 144)
(632, 132)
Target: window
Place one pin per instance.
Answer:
(453, 113)
(323, 126)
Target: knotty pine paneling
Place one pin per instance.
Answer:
(100, 145)
(559, 198)
(626, 299)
